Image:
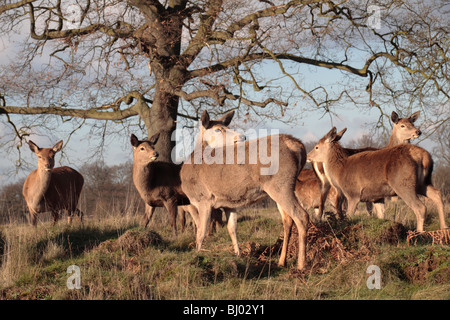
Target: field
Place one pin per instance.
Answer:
(119, 259)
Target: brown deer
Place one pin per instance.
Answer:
(403, 132)
(307, 190)
(52, 189)
(158, 183)
(404, 170)
(244, 178)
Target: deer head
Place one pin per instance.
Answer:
(46, 156)
(320, 151)
(404, 129)
(144, 151)
(216, 132)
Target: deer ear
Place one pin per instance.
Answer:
(33, 147)
(134, 141)
(394, 117)
(412, 118)
(226, 119)
(205, 119)
(57, 147)
(154, 139)
(330, 135)
(339, 135)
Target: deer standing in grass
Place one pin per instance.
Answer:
(239, 181)
(404, 170)
(52, 189)
(158, 183)
(403, 132)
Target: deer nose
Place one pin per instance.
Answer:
(155, 155)
(418, 132)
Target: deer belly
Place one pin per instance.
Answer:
(237, 199)
(375, 192)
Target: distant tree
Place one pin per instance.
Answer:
(364, 141)
(12, 204)
(108, 189)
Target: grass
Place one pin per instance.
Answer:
(119, 259)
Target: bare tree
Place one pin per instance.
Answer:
(364, 141)
(147, 64)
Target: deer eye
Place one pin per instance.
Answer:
(402, 126)
(142, 149)
(217, 130)
(317, 148)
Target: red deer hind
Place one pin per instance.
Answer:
(240, 182)
(158, 183)
(52, 189)
(404, 170)
(403, 132)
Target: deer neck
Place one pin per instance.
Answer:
(335, 163)
(42, 184)
(142, 176)
(395, 141)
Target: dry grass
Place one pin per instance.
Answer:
(119, 259)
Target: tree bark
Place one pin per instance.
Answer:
(161, 119)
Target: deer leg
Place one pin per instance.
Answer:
(412, 201)
(69, 216)
(55, 215)
(352, 203)
(287, 227)
(204, 211)
(194, 215)
(232, 229)
(216, 220)
(379, 208)
(325, 188)
(338, 203)
(182, 214)
(33, 217)
(80, 215)
(149, 210)
(301, 220)
(171, 207)
(287, 201)
(435, 195)
(369, 208)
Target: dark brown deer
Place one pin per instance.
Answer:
(158, 183)
(52, 189)
(404, 170)
(403, 131)
(244, 178)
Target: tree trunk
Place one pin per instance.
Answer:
(161, 119)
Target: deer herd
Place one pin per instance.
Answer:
(203, 187)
